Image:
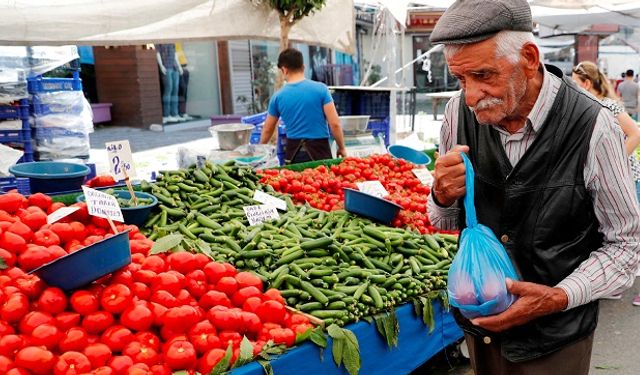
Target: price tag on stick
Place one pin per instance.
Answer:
(270, 200)
(260, 213)
(374, 188)
(120, 160)
(60, 213)
(103, 205)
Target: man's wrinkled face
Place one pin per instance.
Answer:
(493, 87)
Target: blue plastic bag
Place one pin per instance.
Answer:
(477, 277)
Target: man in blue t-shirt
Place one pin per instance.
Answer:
(306, 107)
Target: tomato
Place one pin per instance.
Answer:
(71, 363)
(34, 257)
(34, 319)
(144, 276)
(148, 339)
(210, 360)
(180, 319)
(98, 354)
(214, 298)
(6, 364)
(164, 298)
(273, 295)
(180, 355)
(154, 263)
(21, 230)
(116, 298)
(183, 262)
(55, 207)
(232, 338)
(12, 242)
(140, 246)
(14, 308)
(17, 371)
(35, 359)
(167, 282)
(64, 231)
(251, 304)
(75, 338)
(200, 261)
(137, 318)
(41, 200)
(203, 337)
(8, 257)
(103, 370)
(141, 353)
(246, 279)
(161, 369)
(6, 329)
(214, 272)
(120, 364)
(84, 302)
(11, 344)
(46, 335)
(228, 285)
(298, 319)
(250, 322)
(301, 328)
(35, 220)
(116, 337)
(52, 300)
(229, 320)
(140, 290)
(158, 311)
(11, 202)
(66, 320)
(271, 311)
(46, 237)
(284, 336)
(97, 322)
(197, 283)
(242, 294)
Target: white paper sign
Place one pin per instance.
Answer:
(374, 188)
(270, 200)
(102, 205)
(60, 213)
(260, 213)
(120, 159)
(424, 175)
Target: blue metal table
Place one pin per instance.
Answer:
(415, 346)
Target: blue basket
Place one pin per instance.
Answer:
(132, 215)
(367, 205)
(39, 84)
(374, 104)
(256, 119)
(86, 265)
(51, 176)
(409, 154)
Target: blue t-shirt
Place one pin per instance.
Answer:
(300, 105)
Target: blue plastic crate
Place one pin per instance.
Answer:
(256, 119)
(10, 112)
(47, 133)
(10, 183)
(16, 136)
(374, 104)
(43, 109)
(343, 102)
(39, 84)
(254, 139)
(380, 128)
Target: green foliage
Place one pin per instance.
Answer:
(293, 10)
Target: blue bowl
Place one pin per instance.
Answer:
(51, 176)
(367, 205)
(409, 154)
(86, 265)
(132, 215)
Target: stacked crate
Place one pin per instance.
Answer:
(258, 120)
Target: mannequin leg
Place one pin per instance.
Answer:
(166, 94)
(182, 91)
(175, 81)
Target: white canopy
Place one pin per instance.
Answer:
(118, 22)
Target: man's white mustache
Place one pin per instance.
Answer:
(486, 103)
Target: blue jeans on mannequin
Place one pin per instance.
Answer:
(170, 80)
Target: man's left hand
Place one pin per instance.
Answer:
(534, 301)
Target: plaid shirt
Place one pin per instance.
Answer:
(167, 55)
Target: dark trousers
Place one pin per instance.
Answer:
(182, 90)
(486, 359)
(303, 150)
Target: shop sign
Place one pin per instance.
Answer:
(423, 21)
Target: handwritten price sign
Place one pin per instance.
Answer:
(102, 205)
(374, 188)
(260, 213)
(120, 160)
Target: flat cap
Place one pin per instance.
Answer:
(471, 21)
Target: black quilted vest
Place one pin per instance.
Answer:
(541, 211)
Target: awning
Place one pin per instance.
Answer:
(126, 22)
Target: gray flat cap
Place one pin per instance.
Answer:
(471, 21)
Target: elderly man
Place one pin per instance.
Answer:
(551, 181)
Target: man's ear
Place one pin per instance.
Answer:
(530, 59)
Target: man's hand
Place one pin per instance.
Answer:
(342, 152)
(534, 301)
(449, 185)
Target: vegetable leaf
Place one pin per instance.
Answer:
(427, 315)
(3, 265)
(246, 353)
(351, 354)
(337, 349)
(368, 319)
(303, 336)
(388, 327)
(318, 337)
(164, 244)
(335, 331)
(266, 366)
(223, 365)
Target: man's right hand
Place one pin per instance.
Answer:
(449, 185)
